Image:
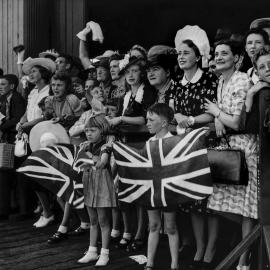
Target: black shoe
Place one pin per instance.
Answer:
(207, 266)
(115, 240)
(136, 245)
(123, 245)
(57, 237)
(79, 231)
(195, 265)
(186, 252)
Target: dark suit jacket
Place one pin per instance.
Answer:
(16, 111)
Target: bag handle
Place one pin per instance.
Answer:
(227, 140)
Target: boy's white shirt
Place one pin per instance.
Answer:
(167, 135)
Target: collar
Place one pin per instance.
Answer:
(194, 79)
(168, 134)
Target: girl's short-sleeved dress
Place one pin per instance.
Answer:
(98, 184)
(240, 200)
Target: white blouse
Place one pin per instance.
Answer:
(33, 111)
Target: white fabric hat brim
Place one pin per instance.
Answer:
(259, 21)
(44, 62)
(45, 54)
(197, 35)
(43, 127)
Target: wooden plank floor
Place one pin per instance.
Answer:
(22, 247)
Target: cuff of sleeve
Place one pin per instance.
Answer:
(81, 35)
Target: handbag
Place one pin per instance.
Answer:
(21, 145)
(6, 156)
(228, 166)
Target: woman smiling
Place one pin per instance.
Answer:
(232, 90)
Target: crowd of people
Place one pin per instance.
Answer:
(192, 85)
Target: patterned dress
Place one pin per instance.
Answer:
(241, 200)
(188, 97)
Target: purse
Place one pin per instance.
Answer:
(228, 166)
(21, 145)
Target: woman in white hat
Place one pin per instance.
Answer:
(39, 71)
(187, 97)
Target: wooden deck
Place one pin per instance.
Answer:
(24, 248)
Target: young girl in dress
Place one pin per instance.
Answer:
(99, 194)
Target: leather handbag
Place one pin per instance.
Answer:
(228, 166)
(21, 145)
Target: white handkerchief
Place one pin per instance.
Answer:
(140, 259)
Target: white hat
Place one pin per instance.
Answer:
(48, 53)
(261, 22)
(47, 132)
(198, 36)
(48, 139)
(44, 62)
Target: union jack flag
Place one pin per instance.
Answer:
(166, 172)
(52, 167)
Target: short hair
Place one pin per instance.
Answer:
(95, 84)
(257, 31)
(99, 121)
(263, 51)
(116, 56)
(235, 46)
(162, 109)
(64, 78)
(12, 79)
(45, 73)
(68, 59)
(192, 45)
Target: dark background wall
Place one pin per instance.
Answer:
(54, 23)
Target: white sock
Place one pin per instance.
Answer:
(127, 235)
(115, 233)
(92, 249)
(85, 225)
(104, 251)
(62, 229)
(103, 258)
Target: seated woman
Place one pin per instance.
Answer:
(234, 199)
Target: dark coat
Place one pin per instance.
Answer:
(16, 111)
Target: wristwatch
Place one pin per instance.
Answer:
(191, 120)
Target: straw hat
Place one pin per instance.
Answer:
(47, 131)
(52, 54)
(44, 62)
(198, 36)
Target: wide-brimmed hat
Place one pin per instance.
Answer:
(47, 127)
(161, 55)
(44, 62)
(260, 23)
(198, 36)
(103, 62)
(127, 62)
(52, 54)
